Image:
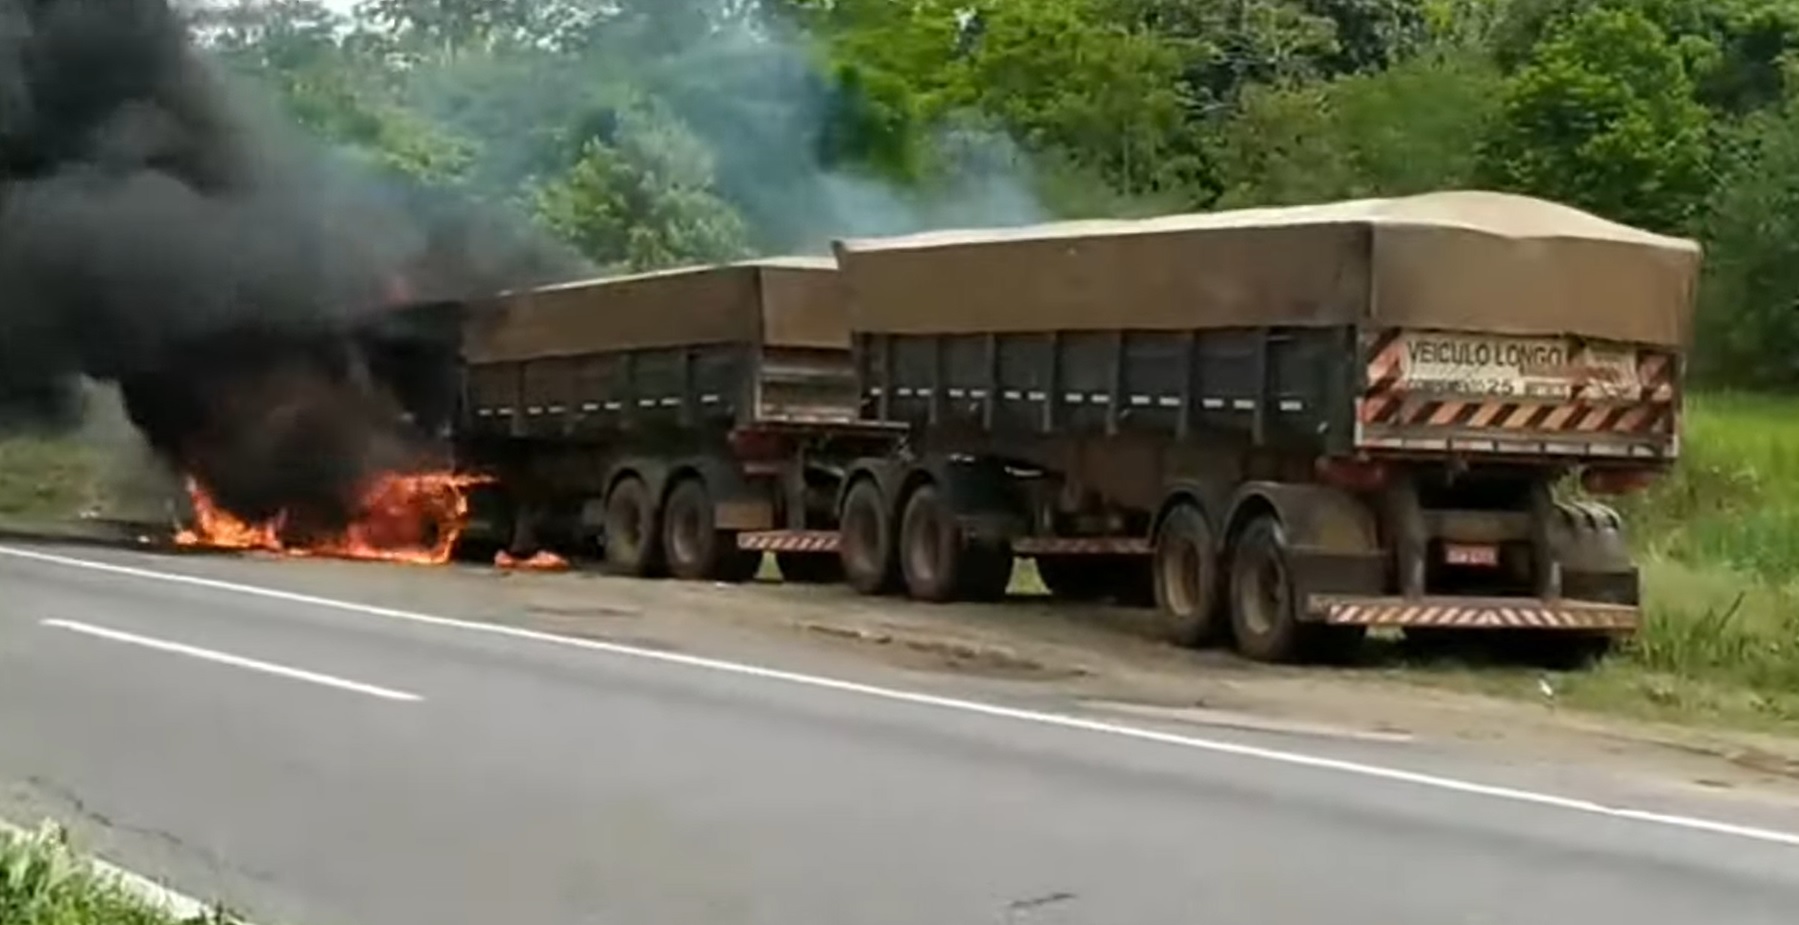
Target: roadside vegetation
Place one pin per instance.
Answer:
(43, 881)
(1719, 541)
(45, 477)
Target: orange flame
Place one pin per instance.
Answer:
(216, 527)
(542, 561)
(401, 517)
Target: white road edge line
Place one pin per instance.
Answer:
(173, 903)
(238, 661)
(1059, 720)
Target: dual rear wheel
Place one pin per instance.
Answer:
(927, 554)
(1253, 604)
(940, 562)
(679, 538)
(1265, 608)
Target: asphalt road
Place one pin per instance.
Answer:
(323, 765)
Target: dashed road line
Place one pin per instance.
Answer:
(238, 661)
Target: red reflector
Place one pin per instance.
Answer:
(1479, 555)
(751, 444)
(1352, 475)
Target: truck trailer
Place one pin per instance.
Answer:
(1305, 421)
(690, 419)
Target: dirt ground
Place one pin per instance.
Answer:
(1103, 661)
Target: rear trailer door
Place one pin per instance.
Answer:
(1434, 391)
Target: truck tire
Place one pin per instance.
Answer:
(632, 546)
(866, 543)
(1264, 607)
(937, 559)
(810, 568)
(1594, 529)
(692, 544)
(1186, 578)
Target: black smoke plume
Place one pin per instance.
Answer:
(160, 231)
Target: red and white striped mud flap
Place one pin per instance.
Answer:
(1474, 613)
(789, 540)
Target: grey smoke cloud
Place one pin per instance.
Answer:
(749, 86)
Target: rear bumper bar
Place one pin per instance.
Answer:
(820, 541)
(1473, 613)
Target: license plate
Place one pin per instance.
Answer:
(1480, 555)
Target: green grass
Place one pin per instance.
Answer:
(44, 882)
(1718, 541)
(1734, 499)
(42, 477)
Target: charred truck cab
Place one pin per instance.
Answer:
(1284, 426)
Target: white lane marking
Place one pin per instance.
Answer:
(226, 658)
(1058, 720)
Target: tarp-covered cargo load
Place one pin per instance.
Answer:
(785, 302)
(1455, 261)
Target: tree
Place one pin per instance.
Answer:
(1227, 46)
(1370, 34)
(642, 200)
(1603, 115)
(1749, 317)
(269, 37)
(1414, 127)
(1738, 52)
(1066, 75)
(331, 83)
(445, 29)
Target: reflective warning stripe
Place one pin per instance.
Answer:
(1452, 613)
(1656, 373)
(1385, 360)
(789, 540)
(1398, 411)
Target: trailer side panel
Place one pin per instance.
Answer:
(1287, 387)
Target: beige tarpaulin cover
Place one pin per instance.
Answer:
(788, 302)
(1455, 260)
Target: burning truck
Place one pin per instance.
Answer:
(166, 234)
(1281, 427)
